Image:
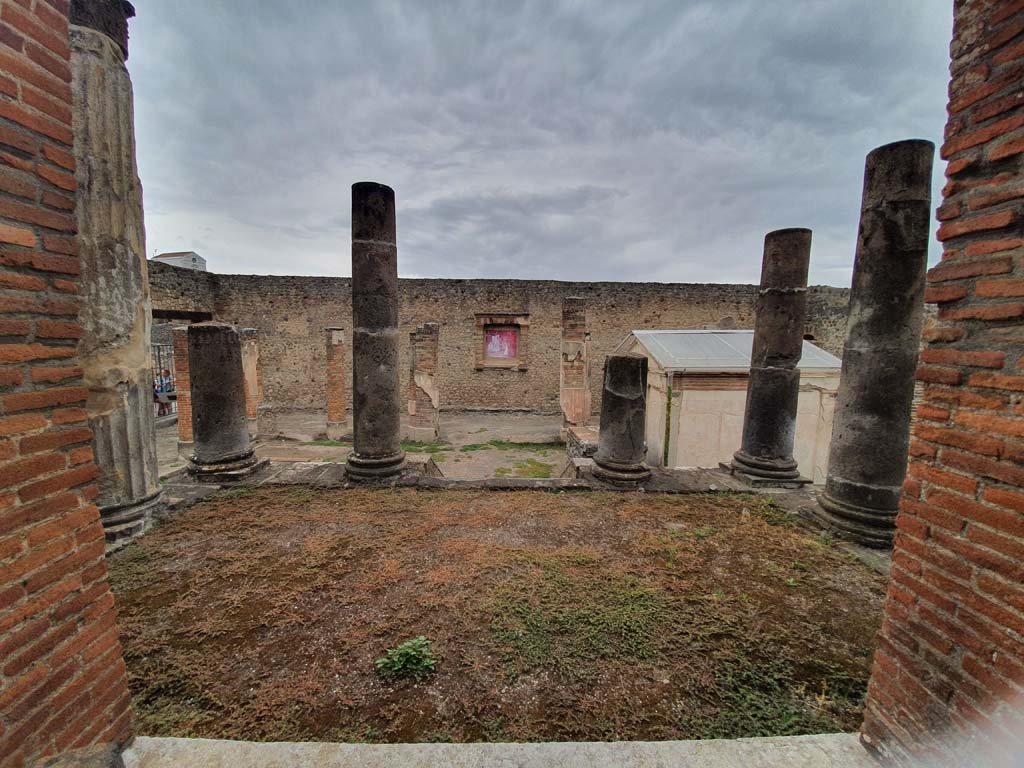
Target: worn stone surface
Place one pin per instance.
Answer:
(424, 396)
(376, 408)
(574, 374)
(114, 287)
(291, 313)
(253, 379)
(837, 750)
(107, 16)
(622, 446)
(220, 429)
(337, 400)
(871, 429)
(769, 419)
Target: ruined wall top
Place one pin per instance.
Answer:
(107, 16)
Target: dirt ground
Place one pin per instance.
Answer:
(259, 614)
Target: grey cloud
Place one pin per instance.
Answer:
(654, 140)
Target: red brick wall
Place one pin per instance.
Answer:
(337, 402)
(182, 383)
(950, 661)
(62, 677)
(423, 343)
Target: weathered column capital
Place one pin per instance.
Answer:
(107, 16)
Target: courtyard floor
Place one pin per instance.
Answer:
(473, 446)
(258, 614)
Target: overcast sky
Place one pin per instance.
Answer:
(567, 140)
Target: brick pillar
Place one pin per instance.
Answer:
(574, 374)
(183, 387)
(337, 398)
(253, 377)
(63, 683)
(424, 398)
(948, 677)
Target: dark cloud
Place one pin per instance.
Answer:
(622, 141)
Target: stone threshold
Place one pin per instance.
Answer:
(835, 750)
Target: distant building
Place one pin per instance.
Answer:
(184, 259)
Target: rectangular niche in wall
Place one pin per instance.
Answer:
(501, 341)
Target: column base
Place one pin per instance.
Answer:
(874, 528)
(123, 522)
(365, 469)
(337, 430)
(765, 472)
(620, 474)
(228, 469)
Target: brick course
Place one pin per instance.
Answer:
(950, 660)
(62, 679)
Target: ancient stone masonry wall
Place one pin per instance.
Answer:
(62, 677)
(291, 313)
(950, 662)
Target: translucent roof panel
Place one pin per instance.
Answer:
(718, 351)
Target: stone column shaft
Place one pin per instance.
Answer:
(183, 390)
(871, 429)
(622, 444)
(376, 402)
(253, 379)
(773, 388)
(337, 401)
(574, 373)
(115, 348)
(220, 427)
(424, 397)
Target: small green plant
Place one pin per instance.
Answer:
(330, 443)
(411, 660)
(416, 446)
(704, 531)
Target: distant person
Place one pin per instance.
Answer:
(162, 387)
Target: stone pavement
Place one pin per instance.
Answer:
(839, 750)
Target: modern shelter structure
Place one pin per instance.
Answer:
(696, 394)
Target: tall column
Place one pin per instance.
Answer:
(223, 449)
(377, 451)
(115, 316)
(183, 390)
(871, 429)
(253, 380)
(769, 420)
(622, 446)
(574, 374)
(337, 402)
(424, 398)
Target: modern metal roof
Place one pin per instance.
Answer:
(720, 351)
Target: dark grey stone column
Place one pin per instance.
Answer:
(871, 429)
(769, 421)
(376, 400)
(622, 446)
(220, 428)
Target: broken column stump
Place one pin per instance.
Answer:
(773, 388)
(424, 397)
(622, 446)
(871, 429)
(222, 449)
(376, 403)
(115, 346)
(337, 416)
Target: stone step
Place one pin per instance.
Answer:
(836, 750)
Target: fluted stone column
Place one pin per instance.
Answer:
(220, 427)
(871, 429)
(769, 420)
(622, 444)
(376, 397)
(115, 314)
